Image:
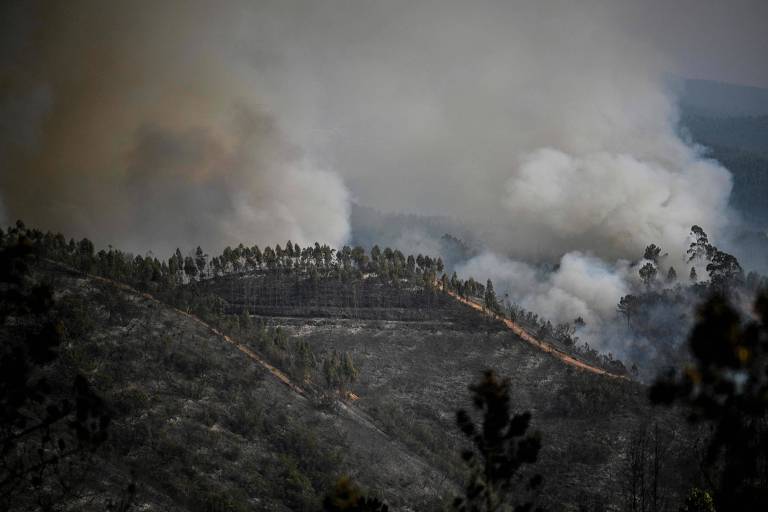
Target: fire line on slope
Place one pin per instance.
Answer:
(527, 337)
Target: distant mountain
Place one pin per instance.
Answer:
(745, 133)
(717, 99)
(730, 122)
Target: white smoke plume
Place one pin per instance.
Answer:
(461, 109)
(443, 108)
(139, 125)
(581, 286)
(249, 189)
(616, 203)
(547, 127)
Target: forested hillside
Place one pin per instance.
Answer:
(220, 400)
(383, 256)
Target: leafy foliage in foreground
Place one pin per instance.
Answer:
(48, 427)
(727, 386)
(500, 451)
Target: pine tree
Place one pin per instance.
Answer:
(671, 275)
(190, 268)
(500, 450)
(648, 274)
(726, 386)
(201, 260)
(46, 424)
(626, 307)
(490, 297)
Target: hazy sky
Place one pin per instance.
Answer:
(716, 40)
(156, 124)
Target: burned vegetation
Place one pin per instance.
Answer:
(310, 378)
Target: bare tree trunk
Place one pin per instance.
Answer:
(656, 462)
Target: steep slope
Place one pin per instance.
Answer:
(414, 376)
(204, 423)
(529, 338)
(415, 364)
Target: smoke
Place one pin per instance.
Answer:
(138, 125)
(547, 128)
(617, 203)
(483, 112)
(252, 190)
(581, 286)
(456, 109)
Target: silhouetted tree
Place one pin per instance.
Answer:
(652, 253)
(700, 248)
(724, 270)
(190, 268)
(728, 386)
(85, 255)
(648, 273)
(646, 471)
(500, 451)
(46, 428)
(626, 307)
(201, 259)
(490, 298)
(671, 275)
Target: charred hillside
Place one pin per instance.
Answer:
(256, 388)
(365, 297)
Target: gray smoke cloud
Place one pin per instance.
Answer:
(447, 108)
(581, 286)
(547, 128)
(140, 125)
(616, 203)
(250, 191)
(550, 126)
